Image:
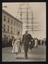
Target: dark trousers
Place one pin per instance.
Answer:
(26, 51)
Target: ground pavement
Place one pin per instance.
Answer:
(36, 54)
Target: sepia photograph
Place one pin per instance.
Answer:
(23, 31)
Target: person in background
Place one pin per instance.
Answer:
(36, 42)
(10, 41)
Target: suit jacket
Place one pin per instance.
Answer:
(26, 39)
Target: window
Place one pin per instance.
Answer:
(4, 27)
(8, 20)
(4, 36)
(11, 29)
(8, 28)
(4, 18)
(14, 23)
(11, 21)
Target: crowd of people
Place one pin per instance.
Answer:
(27, 41)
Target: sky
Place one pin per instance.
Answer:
(39, 13)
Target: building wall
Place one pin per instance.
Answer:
(10, 26)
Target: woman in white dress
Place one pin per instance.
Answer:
(36, 42)
(13, 41)
(16, 45)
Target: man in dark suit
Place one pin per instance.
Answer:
(25, 40)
